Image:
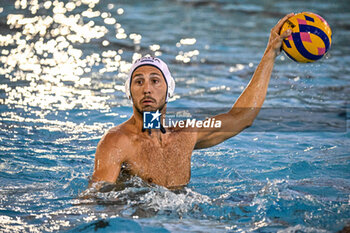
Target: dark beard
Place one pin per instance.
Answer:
(141, 112)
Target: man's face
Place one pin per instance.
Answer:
(148, 89)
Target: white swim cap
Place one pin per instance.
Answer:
(160, 65)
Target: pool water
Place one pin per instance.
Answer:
(62, 72)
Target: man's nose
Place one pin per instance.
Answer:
(147, 87)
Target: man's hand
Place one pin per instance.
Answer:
(275, 41)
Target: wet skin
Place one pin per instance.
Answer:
(165, 159)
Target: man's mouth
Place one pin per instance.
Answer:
(147, 101)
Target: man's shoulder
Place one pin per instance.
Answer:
(119, 134)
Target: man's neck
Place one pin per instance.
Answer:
(138, 123)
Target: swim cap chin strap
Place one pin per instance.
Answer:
(160, 65)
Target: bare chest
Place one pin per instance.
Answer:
(166, 162)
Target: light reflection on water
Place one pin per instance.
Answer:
(63, 66)
(44, 53)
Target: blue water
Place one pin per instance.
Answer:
(61, 88)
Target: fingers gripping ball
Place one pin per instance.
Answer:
(311, 37)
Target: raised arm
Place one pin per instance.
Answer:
(247, 106)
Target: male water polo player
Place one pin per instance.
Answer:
(163, 156)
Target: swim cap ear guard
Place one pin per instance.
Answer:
(160, 65)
